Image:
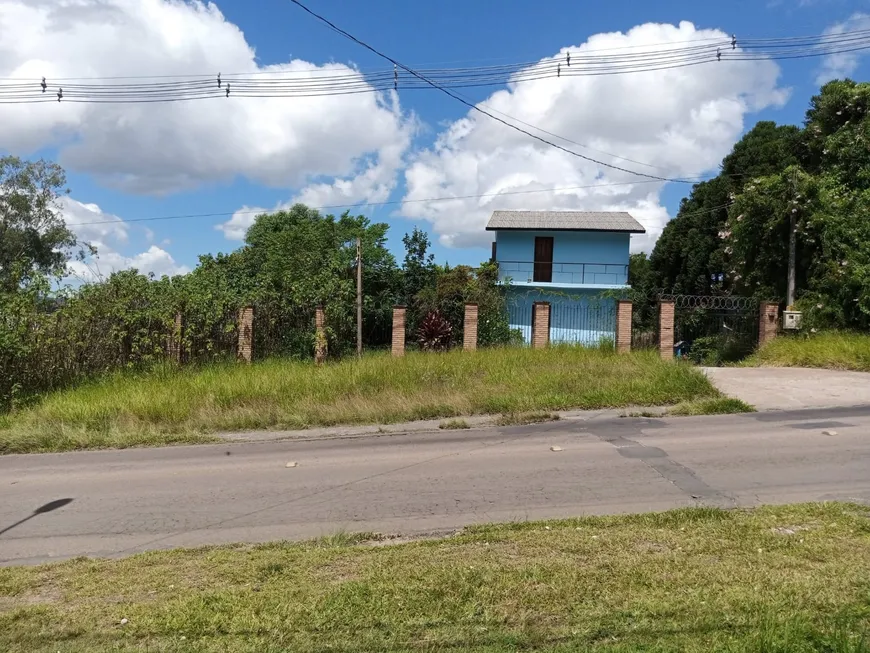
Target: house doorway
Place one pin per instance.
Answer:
(543, 270)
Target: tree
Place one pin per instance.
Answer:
(757, 233)
(419, 265)
(690, 256)
(731, 234)
(34, 238)
(640, 274)
(298, 258)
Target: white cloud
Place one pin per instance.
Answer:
(372, 181)
(842, 64)
(106, 237)
(237, 226)
(681, 121)
(155, 260)
(81, 219)
(161, 148)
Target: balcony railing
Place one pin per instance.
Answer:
(603, 274)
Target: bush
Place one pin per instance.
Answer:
(434, 333)
(49, 342)
(712, 351)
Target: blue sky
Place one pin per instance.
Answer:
(126, 182)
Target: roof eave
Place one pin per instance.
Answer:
(615, 231)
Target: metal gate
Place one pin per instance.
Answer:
(520, 318)
(590, 322)
(645, 322)
(711, 330)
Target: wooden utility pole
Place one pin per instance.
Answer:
(359, 297)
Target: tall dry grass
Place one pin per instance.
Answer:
(837, 350)
(170, 405)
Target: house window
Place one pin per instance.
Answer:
(543, 259)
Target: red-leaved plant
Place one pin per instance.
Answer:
(434, 332)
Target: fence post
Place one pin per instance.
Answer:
(175, 339)
(768, 322)
(540, 325)
(469, 333)
(319, 336)
(398, 348)
(246, 334)
(666, 330)
(623, 326)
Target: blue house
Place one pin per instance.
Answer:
(570, 259)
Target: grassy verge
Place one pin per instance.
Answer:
(788, 579)
(519, 419)
(169, 406)
(454, 425)
(695, 407)
(832, 350)
(715, 406)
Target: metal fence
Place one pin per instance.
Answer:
(582, 320)
(714, 329)
(590, 323)
(645, 322)
(520, 318)
(557, 272)
(281, 330)
(377, 331)
(210, 337)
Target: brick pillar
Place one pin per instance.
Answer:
(319, 336)
(540, 325)
(469, 332)
(399, 329)
(246, 334)
(175, 339)
(768, 323)
(666, 330)
(623, 326)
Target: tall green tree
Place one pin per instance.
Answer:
(301, 258)
(34, 238)
(640, 275)
(732, 232)
(828, 197)
(419, 265)
(690, 256)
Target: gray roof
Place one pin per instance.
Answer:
(565, 221)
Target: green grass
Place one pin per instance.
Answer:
(454, 425)
(648, 414)
(715, 406)
(518, 419)
(835, 350)
(171, 406)
(785, 579)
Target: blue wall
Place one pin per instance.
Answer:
(579, 316)
(605, 255)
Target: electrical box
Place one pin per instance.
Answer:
(791, 320)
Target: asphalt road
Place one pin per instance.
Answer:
(128, 501)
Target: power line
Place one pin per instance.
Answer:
(476, 107)
(584, 50)
(568, 140)
(363, 204)
(329, 81)
(735, 47)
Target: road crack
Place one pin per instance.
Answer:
(657, 459)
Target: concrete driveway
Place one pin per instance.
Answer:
(790, 388)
